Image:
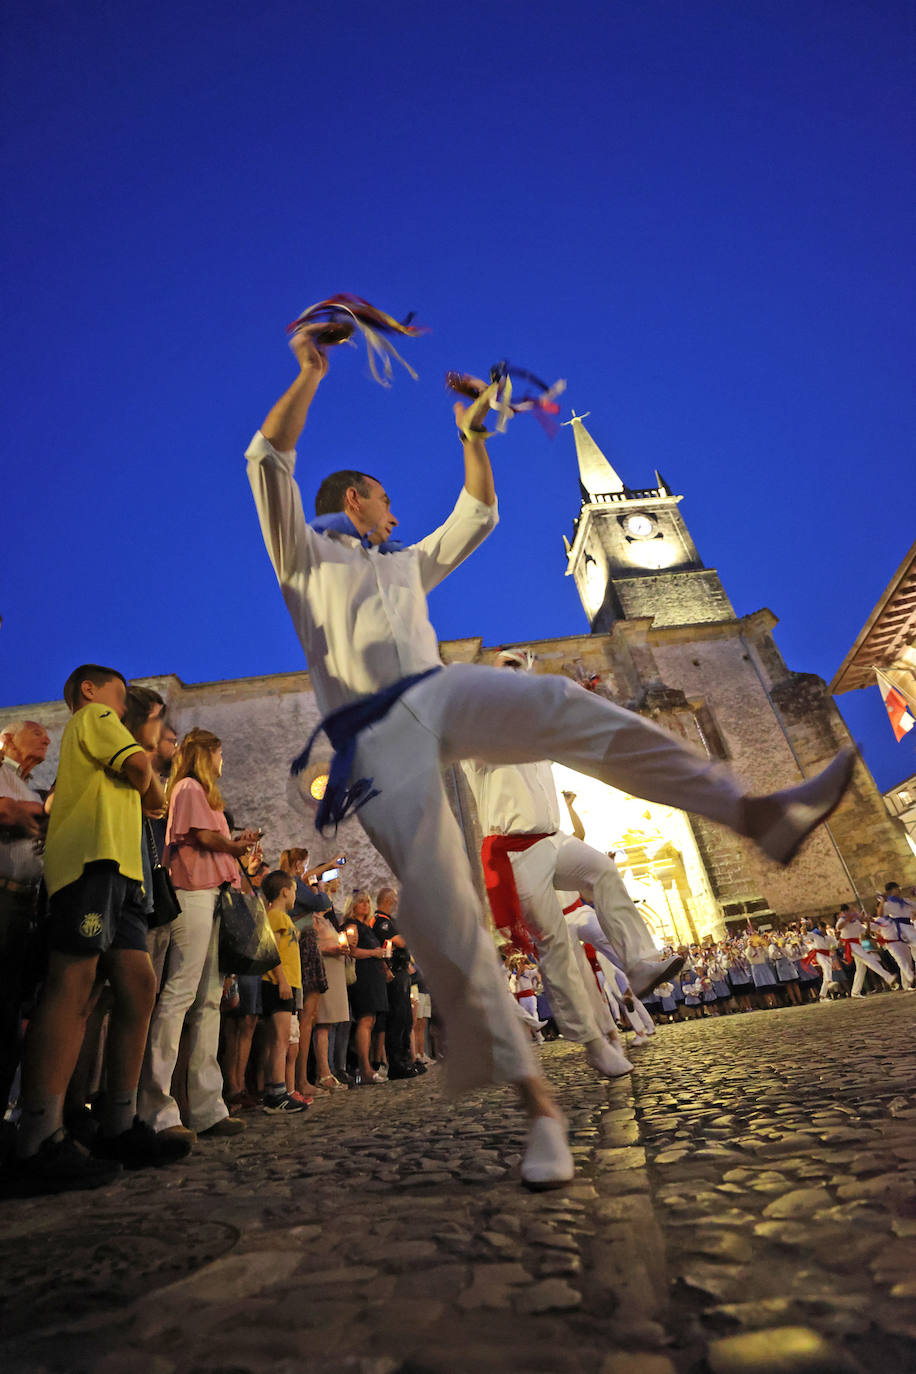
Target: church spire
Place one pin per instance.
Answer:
(596, 476)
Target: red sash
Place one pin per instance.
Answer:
(501, 889)
(573, 906)
(526, 992)
(848, 940)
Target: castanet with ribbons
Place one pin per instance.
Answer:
(502, 396)
(343, 315)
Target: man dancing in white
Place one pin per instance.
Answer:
(851, 929)
(361, 617)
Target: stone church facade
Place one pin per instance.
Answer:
(664, 640)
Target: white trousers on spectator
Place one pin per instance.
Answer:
(191, 990)
(157, 942)
(533, 871)
(470, 711)
(863, 959)
(899, 951)
(579, 868)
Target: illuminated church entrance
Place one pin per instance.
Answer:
(654, 848)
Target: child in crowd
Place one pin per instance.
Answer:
(94, 876)
(279, 992)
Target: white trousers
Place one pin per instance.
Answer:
(533, 871)
(899, 950)
(615, 982)
(470, 711)
(863, 959)
(594, 875)
(584, 924)
(826, 966)
(191, 990)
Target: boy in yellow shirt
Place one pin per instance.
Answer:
(278, 990)
(96, 928)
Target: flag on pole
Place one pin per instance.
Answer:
(896, 705)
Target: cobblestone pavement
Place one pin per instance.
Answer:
(748, 1204)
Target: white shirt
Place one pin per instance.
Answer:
(514, 799)
(19, 859)
(360, 615)
(850, 928)
(887, 928)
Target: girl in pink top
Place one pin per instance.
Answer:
(200, 855)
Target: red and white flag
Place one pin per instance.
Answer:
(897, 707)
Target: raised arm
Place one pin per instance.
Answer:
(271, 465)
(286, 418)
(478, 474)
(578, 827)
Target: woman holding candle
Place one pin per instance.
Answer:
(369, 994)
(333, 1005)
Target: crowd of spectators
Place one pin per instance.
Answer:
(121, 1039)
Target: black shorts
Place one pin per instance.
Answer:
(250, 995)
(273, 1002)
(102, 910)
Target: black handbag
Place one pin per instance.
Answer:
(246, 941)
(166, 905)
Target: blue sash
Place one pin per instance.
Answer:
(343, 728)
(342, 523)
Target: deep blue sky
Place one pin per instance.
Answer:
(699, 212)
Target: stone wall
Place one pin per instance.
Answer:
(718, 673)
(676, 598)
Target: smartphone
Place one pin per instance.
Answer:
(328, 874)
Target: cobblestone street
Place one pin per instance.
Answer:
(758, 1175)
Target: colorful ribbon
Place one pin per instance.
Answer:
(344, 313)
(499, 395)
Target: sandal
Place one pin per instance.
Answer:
(329, 1084)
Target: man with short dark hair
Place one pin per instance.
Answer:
(358, 605)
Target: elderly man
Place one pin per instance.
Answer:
(24, 745)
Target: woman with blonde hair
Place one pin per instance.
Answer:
(369, 994)
(200, 855)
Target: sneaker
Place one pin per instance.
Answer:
(227, 1125)
(140, 1147)
(607, 1059)
(61, 1166)
(548, 1162)
(277, 1106)
(796, 811)
(300, 1097)
(647, 974)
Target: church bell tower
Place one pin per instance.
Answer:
(631, 553)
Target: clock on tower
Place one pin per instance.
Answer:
(631, 552)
